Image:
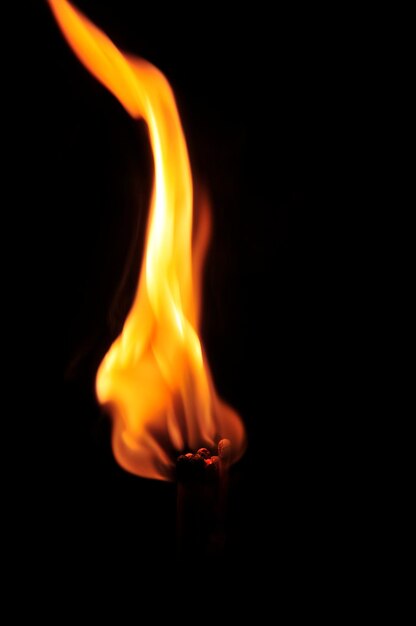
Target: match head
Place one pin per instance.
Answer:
(182, 463)
(212, 469)
(190, 467)
(204, 452)
(224, 449)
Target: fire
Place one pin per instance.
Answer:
(155, 379)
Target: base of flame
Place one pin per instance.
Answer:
(202, 480)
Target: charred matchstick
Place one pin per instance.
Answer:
(201, 501)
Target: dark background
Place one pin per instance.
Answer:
(253, 90)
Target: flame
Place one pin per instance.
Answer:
(155, 380)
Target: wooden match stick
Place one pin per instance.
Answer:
(201, 502)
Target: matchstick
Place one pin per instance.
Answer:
(202, 480)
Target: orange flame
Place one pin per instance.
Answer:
(155, 379)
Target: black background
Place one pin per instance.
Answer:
(252, 89)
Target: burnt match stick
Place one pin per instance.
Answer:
(201, 501)
(224, 454)
(191, 506)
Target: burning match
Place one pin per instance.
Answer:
(155, 380)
